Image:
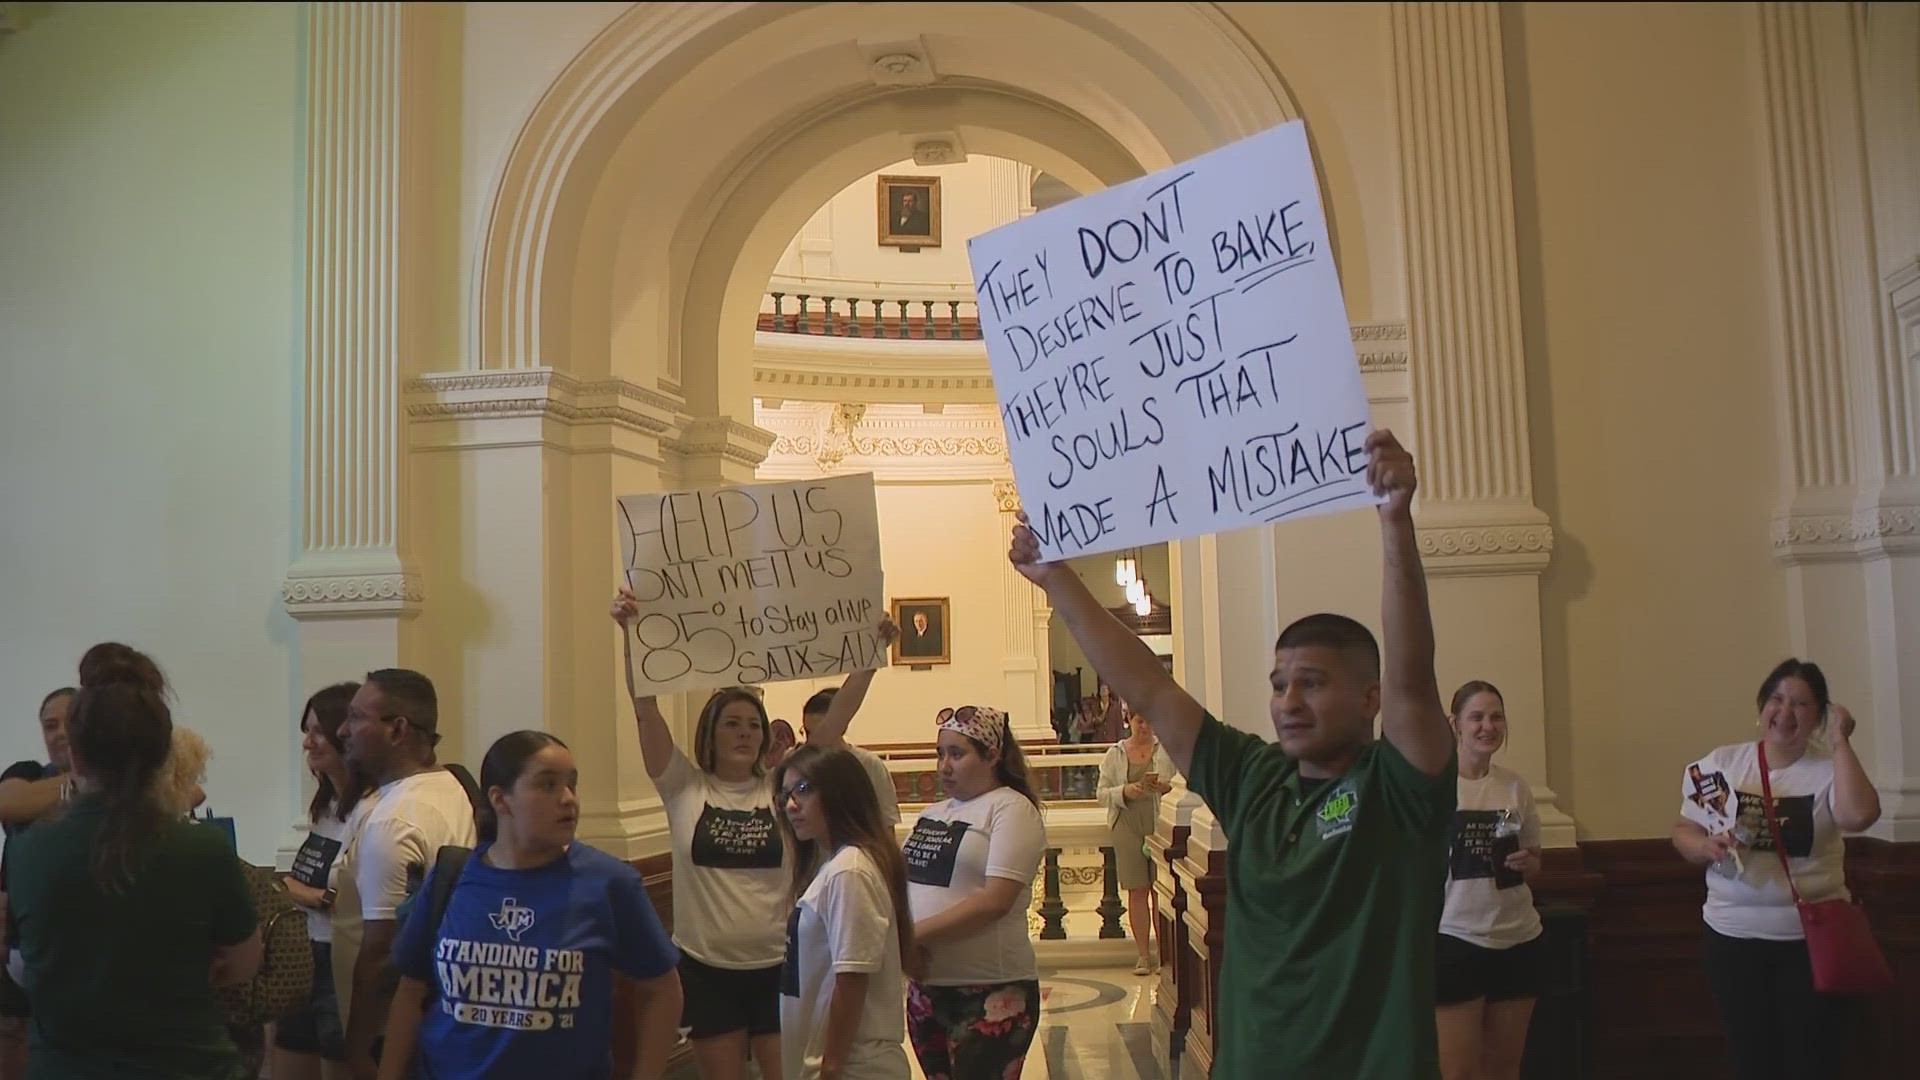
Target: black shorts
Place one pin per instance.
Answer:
(1465, 972)
(316, 1028)
(721, 1001)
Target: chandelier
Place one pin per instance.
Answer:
(1126, 574)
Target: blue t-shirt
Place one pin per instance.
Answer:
(521, 966)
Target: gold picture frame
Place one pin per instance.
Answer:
(931, 643)
(908, 208)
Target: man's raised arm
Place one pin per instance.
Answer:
(1411, 715)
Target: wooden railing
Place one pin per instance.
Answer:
(838, 307)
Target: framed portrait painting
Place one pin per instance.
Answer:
(925, 635)
(909, 209)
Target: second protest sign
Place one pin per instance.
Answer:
(755, 583)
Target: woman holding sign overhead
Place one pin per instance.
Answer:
(974, 1001)
(730, 881)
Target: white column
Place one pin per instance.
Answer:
(527, 465)
(1009, 191)
(1027, 653)
(1840, 100)
(351, 588)
(1483, 540)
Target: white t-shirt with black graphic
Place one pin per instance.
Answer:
(317, 865)
(730, 882)
(844, 922)
(1722, 792)
(955, 847)
(1486, 903)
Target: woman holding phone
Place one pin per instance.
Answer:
(1133, 776)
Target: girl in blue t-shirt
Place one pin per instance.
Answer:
(516, 978)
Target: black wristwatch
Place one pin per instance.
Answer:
(327, 898)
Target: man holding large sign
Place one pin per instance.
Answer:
(751, 584)
(1337, 848)
(1172, 355)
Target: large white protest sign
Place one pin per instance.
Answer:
(752, 584)
(1172, 355)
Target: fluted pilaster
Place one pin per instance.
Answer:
(1468, 369)
(361, 319)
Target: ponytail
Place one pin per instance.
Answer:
(122, 730)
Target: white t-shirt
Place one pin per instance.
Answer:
(1485, 903)
(955, 847)
(883, 788)
(317, 865)
(1722, 792)
(844, 923)
(730, 878)
(392, 838)
(407, 822)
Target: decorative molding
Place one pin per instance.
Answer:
(725, 438)
(942, 149)
(1481, 541)
(1492, 549)
(901, 62)
(894, 441)
(836, 437)
(1846, 536)
(1381, 331)
(1469, 387)
(385, 589)
(1006, 496)
(1389, 354)
(351, 585)
(494, 395)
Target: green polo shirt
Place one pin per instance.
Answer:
(118, 979)
(1334, 891)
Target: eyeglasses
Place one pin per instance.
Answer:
(355, 715)
(800, 790)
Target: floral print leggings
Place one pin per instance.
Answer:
(972, 1032)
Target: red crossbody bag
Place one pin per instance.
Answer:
(1846, 959)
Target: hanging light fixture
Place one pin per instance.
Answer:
(1144, 605)
(1135, 591)
(1120, 568)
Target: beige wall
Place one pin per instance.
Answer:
(148, 260)
(1643, 277)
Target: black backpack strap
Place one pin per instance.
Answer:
(475, 797)
(448, 864)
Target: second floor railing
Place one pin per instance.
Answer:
(824, 307)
